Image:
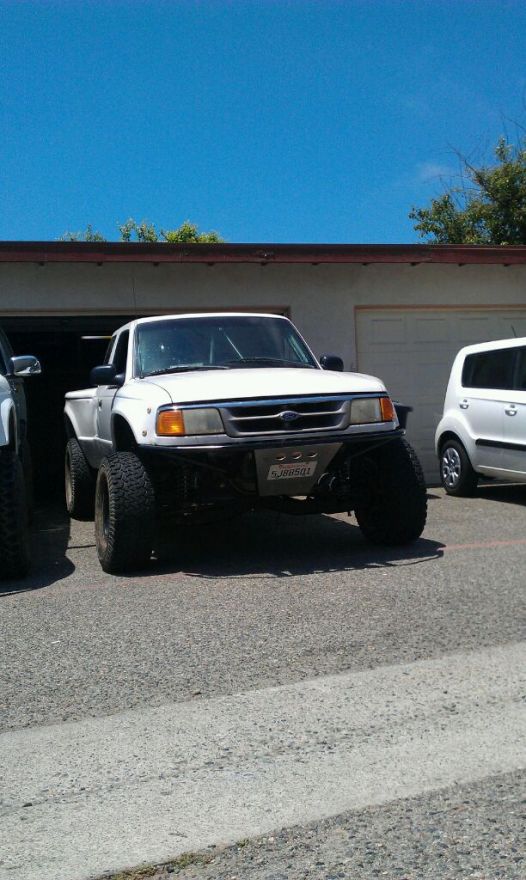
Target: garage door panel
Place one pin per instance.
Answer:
(469, 330)
(387, 331)
(427, 329)
(412, 351)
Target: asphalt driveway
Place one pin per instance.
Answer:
(263, 602)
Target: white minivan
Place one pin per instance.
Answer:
(483, 428)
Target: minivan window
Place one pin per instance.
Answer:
(521, 370)
(490, 369)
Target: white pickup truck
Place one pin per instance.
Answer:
(194, 414)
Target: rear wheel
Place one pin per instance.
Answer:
(79, 482)
(456, 473)
(124, 513)
(14, 537)
(393, 506)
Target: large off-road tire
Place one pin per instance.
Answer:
(79, 482)
(14, 537)
(393, 506)
(456, 473)
(124, 513)
(27, 466)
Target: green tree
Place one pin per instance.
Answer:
(187, 233)
(89, 235)
(488, 206)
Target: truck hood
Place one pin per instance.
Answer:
(225, 385)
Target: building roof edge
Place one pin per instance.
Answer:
(263, 253)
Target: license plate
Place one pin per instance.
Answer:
(291, 470)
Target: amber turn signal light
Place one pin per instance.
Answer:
(170, 423)
(387, 409)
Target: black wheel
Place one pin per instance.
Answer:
(27, 466)
(393, 506)
(14, 538)
(124, 513)
(456, 473)
(79, 482)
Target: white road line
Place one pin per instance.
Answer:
(81, 798)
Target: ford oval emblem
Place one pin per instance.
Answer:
(289, 416)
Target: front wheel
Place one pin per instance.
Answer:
(393, 505)
(14, 538)
(456, 473)
(124, 513)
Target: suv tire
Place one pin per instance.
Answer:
(14, 537)
(456, 472)
(393, 507)
(27, 467)
(124, 513)
(79, 482)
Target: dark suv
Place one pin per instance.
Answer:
(14, 460)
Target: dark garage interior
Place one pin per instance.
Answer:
(66, 356)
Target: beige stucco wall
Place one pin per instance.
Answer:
(321, 299)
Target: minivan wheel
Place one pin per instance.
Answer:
(456, 473)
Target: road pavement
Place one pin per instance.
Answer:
(269, 676)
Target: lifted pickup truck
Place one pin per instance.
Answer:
(14, 461)
(194, 414)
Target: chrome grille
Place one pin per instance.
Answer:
(285, 416)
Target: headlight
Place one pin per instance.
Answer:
(178, 423)
(366, 410)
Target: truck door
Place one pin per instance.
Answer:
(118, 356)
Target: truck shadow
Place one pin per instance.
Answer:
(49, 543)
(273, 545)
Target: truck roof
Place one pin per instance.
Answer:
(132, 324)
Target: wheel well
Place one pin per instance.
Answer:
(123, 438)
(69, 429)
(449, 435)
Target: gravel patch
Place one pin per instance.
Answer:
(473, 832)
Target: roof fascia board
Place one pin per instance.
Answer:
(133, 252)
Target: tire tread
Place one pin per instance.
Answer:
(14, 538)
(401, 510)
(130, 536)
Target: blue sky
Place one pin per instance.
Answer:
(267, 120)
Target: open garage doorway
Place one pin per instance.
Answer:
(67, 354)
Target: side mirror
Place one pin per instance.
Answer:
(331, 362)
(25, 365)
(106, 375)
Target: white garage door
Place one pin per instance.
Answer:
(412, 351)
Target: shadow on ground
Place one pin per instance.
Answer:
(259, 544)
(276, 545)
(49, 543)
(508, 493)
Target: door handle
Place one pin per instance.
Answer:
(100, 404)
(463, 404)
(511, 410)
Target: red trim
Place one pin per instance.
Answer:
(121, 252)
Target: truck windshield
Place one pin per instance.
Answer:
(208, 343)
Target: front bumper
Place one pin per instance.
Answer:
(248, 444)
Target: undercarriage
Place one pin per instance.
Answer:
(321, 477)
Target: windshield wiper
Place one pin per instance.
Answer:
(186, 369)
(269, 361)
